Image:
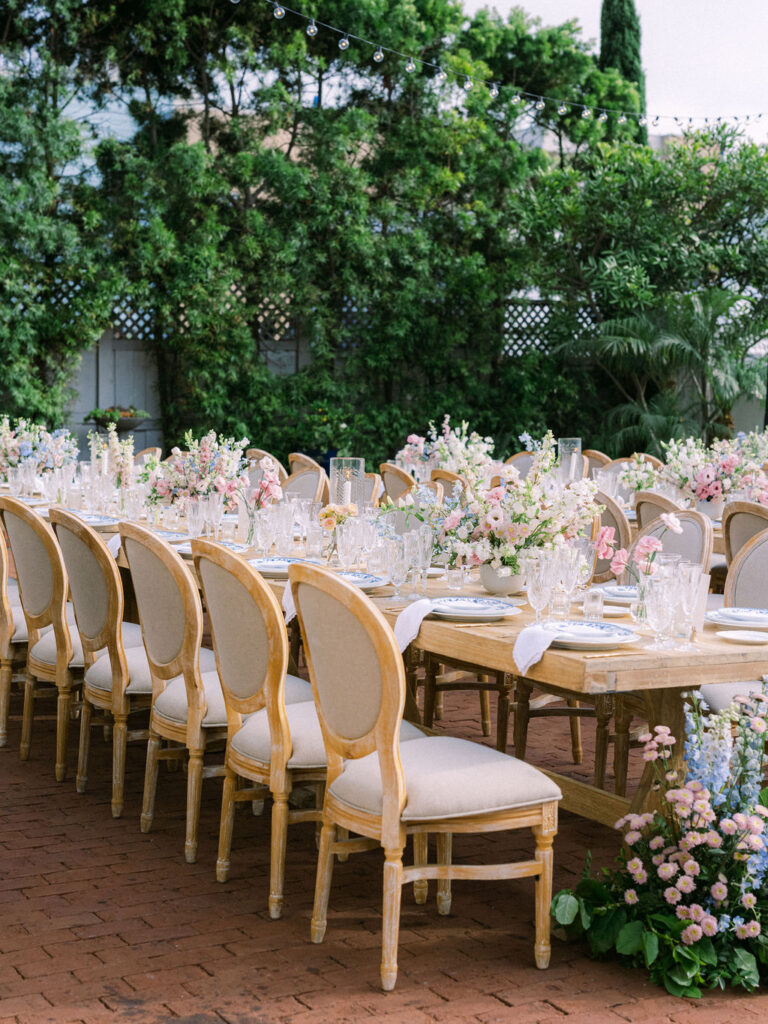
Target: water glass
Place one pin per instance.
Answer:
(593, 605)
(346, 544)
(397, 564)
(214, 511)
(195, 517)
(659, 610)
(540, 580)
(454, 577)
(315, 535)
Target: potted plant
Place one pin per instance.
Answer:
(125, 418)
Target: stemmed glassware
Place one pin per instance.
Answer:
(346, 544)
(538, 570)
(195, 517)
(398, 565)
(214, 512)
(264, 531)
(660, 611)
(688, 584)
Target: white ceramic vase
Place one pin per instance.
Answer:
(713, 509)
(497, 584)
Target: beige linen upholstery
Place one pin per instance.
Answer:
(171, 616)
(742, 520)
(385, 790)
(694, 544)
(649, 506)
(99, 674)
(257, 454)
(720, 695)
(13, 637)
(45, 648)
(397, 482)
(595, 459)
(307, 483)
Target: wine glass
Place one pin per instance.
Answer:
(540, 580)
(195, 517)
(688, 583)
(659, 611)
(346, 544)
(397, 564)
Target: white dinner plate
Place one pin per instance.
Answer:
(745, 616)
(94, 518)
(276, 567)
(717, 619)
(742, 636)
(580, 635)
(186, 548)
(620, 593)
(172, 536)
(364, 580)
(613, 611)
(472, 609)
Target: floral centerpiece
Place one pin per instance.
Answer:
(496, 526)
(688, 899)
(637, 475)
(414, 455)
(704, 474)
(252, 496)
(332, 516)
(116, 455)
(454, 449)
(209, 464)
(26, 441)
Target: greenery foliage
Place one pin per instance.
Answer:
(391, 215)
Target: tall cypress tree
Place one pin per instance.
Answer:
(620, 41)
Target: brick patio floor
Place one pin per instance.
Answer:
(101, 923)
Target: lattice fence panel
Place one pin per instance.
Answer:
(527, 325)
(132, 323)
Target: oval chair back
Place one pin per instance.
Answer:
(396, 481)
(746, 585)
(522, 461)
(257, 454)
(595, 459)
(649, 506)
(308, 483)
(742, 520)
(152, 452)
(694, 544)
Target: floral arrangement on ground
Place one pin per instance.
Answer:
(688, 899)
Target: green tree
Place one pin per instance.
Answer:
(620, 46)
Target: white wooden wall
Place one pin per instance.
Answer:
(116, 371)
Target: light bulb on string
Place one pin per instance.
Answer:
(312, 29)
(468, 83)
(540, 104)
(735, 118)
(344, 43)
(562, 109)
(622, 118)
(441, 76)
(493, 92)
(516, 98)
(234, 1)
(656, 121)
(379, 56)
(602, 117)
(410, 67)
(279, 12)
(586, 113)
(642, 120)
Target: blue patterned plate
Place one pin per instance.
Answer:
(578, 635)
(719, 617)
(364, 580)
(745, 616)
(172, 536)
(276, 568)
(186, 549)
(472, 609)
(94, 518)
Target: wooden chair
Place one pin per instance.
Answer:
(397, 482)
(742, 520)
(187, 701)
(257, 454)
(308, 483)
(614, 467)
(649, 506)
(449, 480)
(13, 638)
(53, 655)
(375, 483)
(437, 489)
(745, 587)
(273, 735)
(595, 459)
(117, 680)
(651, 460)
(385, 790)
(522, 461)
(141, 457)
(298, 461)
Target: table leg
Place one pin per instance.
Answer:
(411, 712)
(665, 707)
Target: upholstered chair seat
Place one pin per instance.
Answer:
(45, 648)
(446, 777)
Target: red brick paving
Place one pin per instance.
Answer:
(101, 923)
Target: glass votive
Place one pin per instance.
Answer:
(454, 577)
(593, 605)
(315, 537)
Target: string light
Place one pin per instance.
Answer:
(539, 103)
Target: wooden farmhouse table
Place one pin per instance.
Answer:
(657, 679)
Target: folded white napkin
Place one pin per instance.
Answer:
(288, 605)
(409, 621)
(530, 645)
(114, 545)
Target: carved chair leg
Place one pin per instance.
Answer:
(545, 834)
(6, 675)
(81, 779)
(502, 711)
(390, 932)
(430, 683)
(485, 709)
(150, 782)
(119, 744)
(226, 825)
(194, 796)
(444, 852)
(420, 859)
(323, 882)
(277, 854)
(28, 716)
(62, 729)
(575, 723)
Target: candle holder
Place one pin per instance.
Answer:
(347, 481)
(569, 453)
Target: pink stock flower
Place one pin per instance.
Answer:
(671, 522)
